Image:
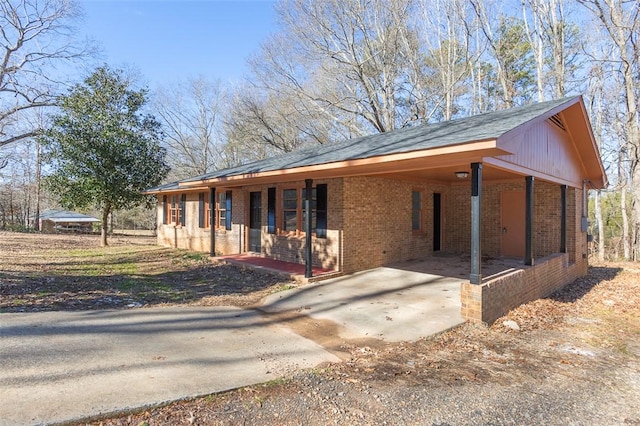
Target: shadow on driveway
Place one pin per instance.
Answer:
(58, 366)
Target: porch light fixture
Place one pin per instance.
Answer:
(462, 175)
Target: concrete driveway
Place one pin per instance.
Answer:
(57, 366)
(398, 303)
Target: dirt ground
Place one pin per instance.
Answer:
(44, 272)
(574, 358)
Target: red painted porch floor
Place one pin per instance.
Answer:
(295, 270)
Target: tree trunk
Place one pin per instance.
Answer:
(632, 131)
(105, 224)
(625, 222)
(535, 39)
(38, 180)
(635, 197)
(598, 214)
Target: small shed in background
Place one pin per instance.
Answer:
(52, 221)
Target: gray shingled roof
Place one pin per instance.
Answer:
(465, 130)
(66, 216)
(167, 186)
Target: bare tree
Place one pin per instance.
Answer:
(620, 21)
(596, 92)
(443, 32)
(346, 60)
(191, 115)
(258, 125)
(17, 185)
(555, 42)
(35, 37)
(510, 51)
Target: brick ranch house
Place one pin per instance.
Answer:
(506, 184)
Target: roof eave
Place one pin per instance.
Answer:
(588, 149)
(413, 160)
(180, 189)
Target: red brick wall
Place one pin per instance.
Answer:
(490, 300)
(192, 237)
(546, 225)
(326, 252)
(377, 221)
(458, 213)
(546, 219)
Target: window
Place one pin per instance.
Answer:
(290, 209)
(416, 210)
(294, 214)
(177, 209)
(204, 210)
(223, 210)
(173, 209)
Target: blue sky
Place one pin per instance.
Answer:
(169, 40)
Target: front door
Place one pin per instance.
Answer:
(437, 221)
(255, 221)
(512, 206)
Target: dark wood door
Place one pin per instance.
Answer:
(255, 221)
(437, 221)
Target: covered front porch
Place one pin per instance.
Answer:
(288, 270)
(444, 264)
(435, 288)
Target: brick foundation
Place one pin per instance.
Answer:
(489, 301)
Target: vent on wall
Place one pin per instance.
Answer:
(555, 119)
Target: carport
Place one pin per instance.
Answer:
(401, 301)
(404, 301)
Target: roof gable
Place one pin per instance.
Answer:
(558, 145)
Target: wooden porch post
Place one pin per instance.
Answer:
(212, 219)
(528, 226)
(307, 227)
(476, 219)
(563, 218)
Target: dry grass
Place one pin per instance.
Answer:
(72, 272)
